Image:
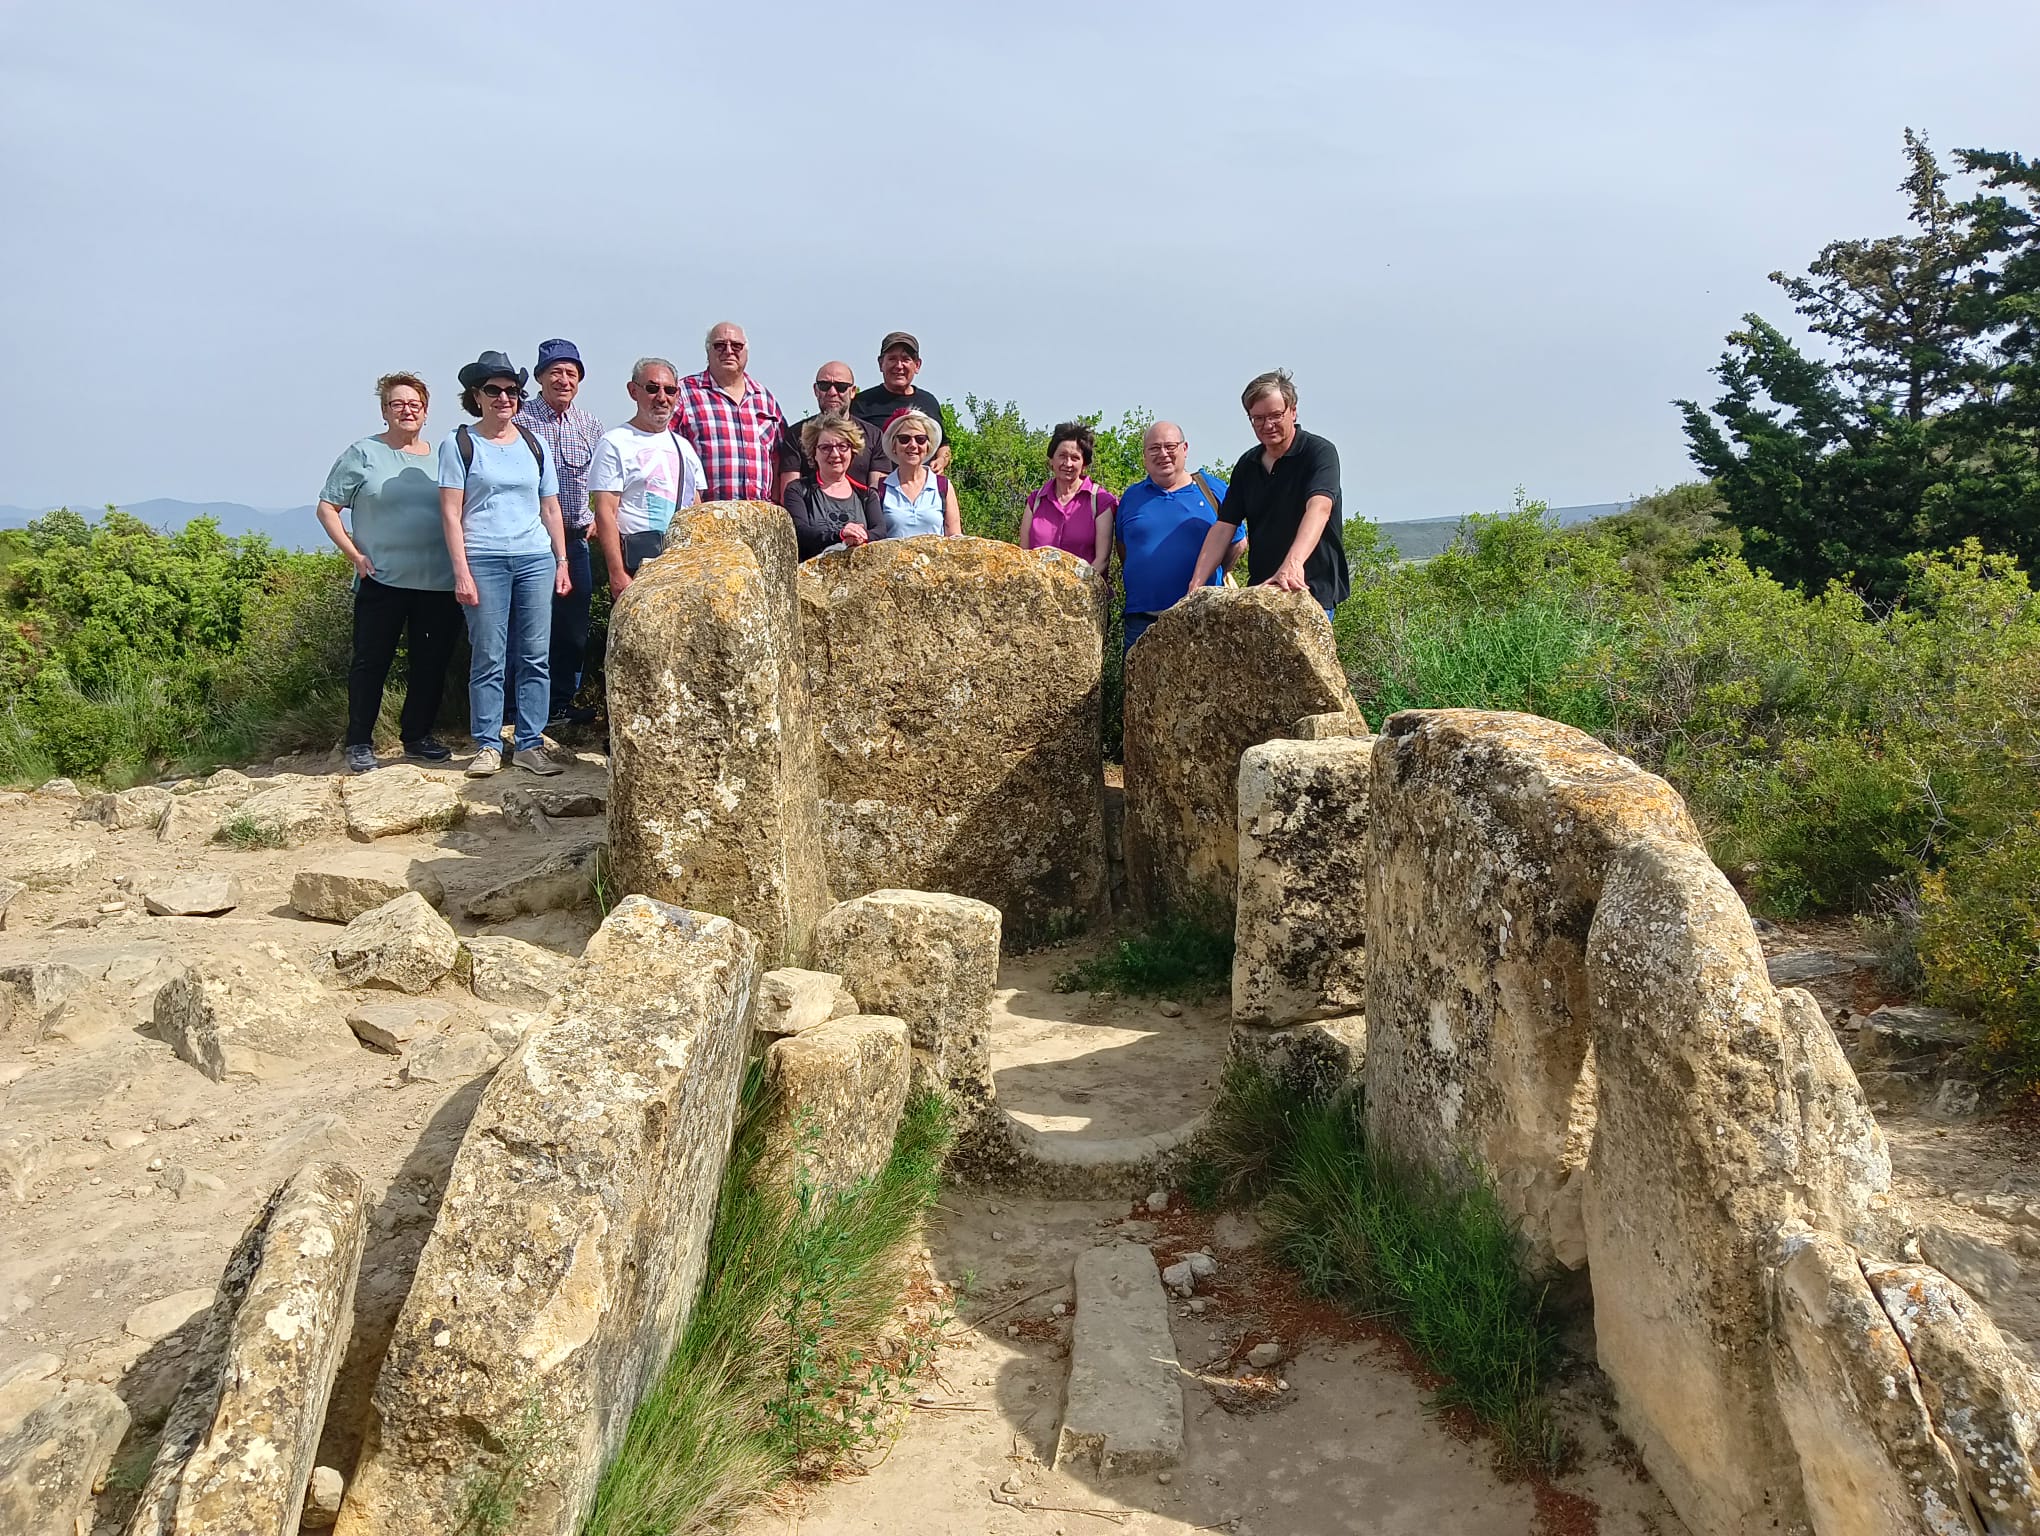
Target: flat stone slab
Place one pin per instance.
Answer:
(1900, 1031)
(1123, 1410)
(1798, 966)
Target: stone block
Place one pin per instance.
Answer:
(392, 1026)
(558, 882)
(1311, 1061)
(534, 808)
(142, 806)
(57, 1439)
(193, 896)
(791, 1000)
(838, 1090)
(956, 687)
(1123, 1406)
(291, 810)
(338, 887)
(505, 970)
(240, 1444)
(402, 944)
(400, 798)
(454, 1057)
(1327, 727)
(50, 866)
(1222, 671)
(259, 1017)
(1300, 933)
(570, 1243)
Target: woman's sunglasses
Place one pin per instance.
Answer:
(498, 391)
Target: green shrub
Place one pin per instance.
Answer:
(1180, 957)
(1979, 945)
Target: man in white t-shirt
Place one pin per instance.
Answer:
(643, 473)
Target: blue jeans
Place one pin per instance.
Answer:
(511, 625)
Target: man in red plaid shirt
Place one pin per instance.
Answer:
(732, 420)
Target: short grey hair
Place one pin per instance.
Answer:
(645, 365)
(1275, 382)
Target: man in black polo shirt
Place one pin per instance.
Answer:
(899, 364)
(1287, 493)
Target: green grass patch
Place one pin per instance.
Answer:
(1179, 958)
(782, 1368)
(1437, 1255)
(244, 831)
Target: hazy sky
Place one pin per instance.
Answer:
(1493, 241)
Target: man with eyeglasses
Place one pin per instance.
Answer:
(644, 472)
(835, 385)
(732, 420)
(899, 364)
(1285, 492)
(1161, 528)
(572, 435)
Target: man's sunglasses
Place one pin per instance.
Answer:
(659, 389)
(836, 386)
(498, 391)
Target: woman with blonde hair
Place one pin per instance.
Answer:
(914, 499)
(828, 507)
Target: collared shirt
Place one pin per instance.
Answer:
(1070, 525)
(1159, 534)
(1270, 503)
(573, 435)
(738, 440)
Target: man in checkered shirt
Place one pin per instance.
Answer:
(732, 420)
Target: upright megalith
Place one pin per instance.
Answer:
(571, 1241)
(1220, 672)
(956, 685)
(713, 798)
(1489, 835)
(238, 1450)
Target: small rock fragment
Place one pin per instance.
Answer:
(322, 1499)
(1180, 1278)
(1158, 1201)
(1170, 1010)
(452, 1058)
(511, 971)
(1265, 1354)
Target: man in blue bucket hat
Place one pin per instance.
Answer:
(573, 435)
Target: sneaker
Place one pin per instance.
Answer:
(487, 761)
(361, 759)
(534, 760)
(584, 715)
(426, 751)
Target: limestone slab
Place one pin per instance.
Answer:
(1123, 1406)
(50, 866)
(558, 882)
(142, 806)
(255, 1016)
(57, 1439)
(791, 1000)
(392, 1026)
(193, 896)
(338, 887)
(291, 810)
(400, 798)
(506, 970)
(402, 944)
(838, 1090)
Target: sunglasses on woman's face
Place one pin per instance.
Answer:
(498, 391)
(918, 439)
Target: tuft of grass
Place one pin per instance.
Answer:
(244, 831)
(1181, 957)
(779, 1371)
(1437, 1255)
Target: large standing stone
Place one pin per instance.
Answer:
(837, 1092)
(1222, 671)
(1301, 930)
(400, 798)
(291, 810)
(1488, 837)
(713, 784)
(57, 1439)
(570, 1244)
(241, 1019)
(338, 887)
(557, 882)
(239, 1447)
(957, 685)
(403, 944)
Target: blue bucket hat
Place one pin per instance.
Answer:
(559, 350)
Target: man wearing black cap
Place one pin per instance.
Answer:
(899, 364)
(573, 435)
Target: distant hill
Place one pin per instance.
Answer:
(290, 527)
(1421, 538)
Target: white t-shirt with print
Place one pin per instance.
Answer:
(655, 474)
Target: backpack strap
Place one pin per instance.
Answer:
(1217, 501)
(531, 442)
(464, 440)
(942, 484)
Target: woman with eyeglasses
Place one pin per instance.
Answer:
(914, 500)
(403, 579)
(1071, 511)
(499, 507)
(829, 508)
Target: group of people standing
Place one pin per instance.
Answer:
(496, 524)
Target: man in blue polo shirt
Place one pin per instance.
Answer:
(1161, 526)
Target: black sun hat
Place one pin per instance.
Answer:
(491, 365)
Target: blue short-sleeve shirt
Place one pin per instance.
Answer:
(500, 513)
(1161, 533)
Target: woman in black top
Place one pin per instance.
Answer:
(829, 508)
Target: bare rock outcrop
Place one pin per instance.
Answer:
(957, 687)
(838, 1090)
(713, 791)
(400, 798)
(291, 810)
(238, 1450)
(1300, 934)
(570, 1244)
(1222, 671)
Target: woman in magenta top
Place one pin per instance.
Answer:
(1071, 512)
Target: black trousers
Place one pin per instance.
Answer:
(381, 615)
(570, 626)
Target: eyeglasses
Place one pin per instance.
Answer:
(498, 391)
(919, 439)
(659, 389)
(834, 448)
(404, 406)
(726, 346)
(1175, 447)
(834, 386)
(1267, 418)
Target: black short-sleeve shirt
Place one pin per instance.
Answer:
(868, 465)
(1271, 501)
(875, 406)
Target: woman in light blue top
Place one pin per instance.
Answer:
(914, 499)
(499, 505)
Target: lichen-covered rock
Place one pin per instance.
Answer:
(791, 1000)
(570, 1243)
(1222, 671)
(1984, 1400)
(956, 686)
(1718, 1123)
(402, 944)
(1489, 835)
(454, 1057)
(1870, 1459)
(142, 806)
(1310, 1062)
(239, 1447)
(838, 1092)
(1300, 932)
(713, 796)
(556, 882)
(57, 1439)
(1328, 727)
(259, 1017)
(537, 808)
(291, 810)
(400, 798)
(506, 970)
(338, 887)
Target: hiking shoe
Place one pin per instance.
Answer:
(534, 760)
(584, 715)
(487, 761)
(426, 751)
(361, 759)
